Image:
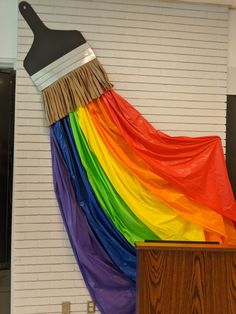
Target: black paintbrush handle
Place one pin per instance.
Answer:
(32, 18)
(48, 45)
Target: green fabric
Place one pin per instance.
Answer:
(114, 206)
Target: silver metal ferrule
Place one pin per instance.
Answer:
(57, 69)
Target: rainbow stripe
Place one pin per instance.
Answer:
(131, 183)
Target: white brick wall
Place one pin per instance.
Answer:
(169, 59)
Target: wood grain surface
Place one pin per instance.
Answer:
(186, 282)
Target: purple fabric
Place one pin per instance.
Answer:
(110, 289)
(122, 253)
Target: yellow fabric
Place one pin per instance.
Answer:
(194, 212)
(159, 217)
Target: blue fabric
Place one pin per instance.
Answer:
(110, 289)
(117, 247)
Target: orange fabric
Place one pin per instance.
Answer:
(188, 209)
(194, 166)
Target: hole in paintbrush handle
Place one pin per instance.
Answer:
(31, 17)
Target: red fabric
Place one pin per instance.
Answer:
(195, 166)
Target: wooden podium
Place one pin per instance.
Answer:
(186, 278)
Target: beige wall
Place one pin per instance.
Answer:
(231, 3)
(169, 59)
(8, 30)
(232, 54)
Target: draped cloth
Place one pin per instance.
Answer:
(111, 296)
(121, 252)
(118, 180)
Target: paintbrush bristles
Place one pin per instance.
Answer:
(75, 89)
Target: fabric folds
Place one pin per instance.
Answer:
(120, 251)
(111, 202)
(190, 210)
(159, 217)
(111, 290)
(195, 166)
(118, 180)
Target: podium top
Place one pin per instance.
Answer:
(180, 246)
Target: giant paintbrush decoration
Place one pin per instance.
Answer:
(116, 178)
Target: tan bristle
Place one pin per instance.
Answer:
(75, 89)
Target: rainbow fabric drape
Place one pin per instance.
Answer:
(118, 180)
